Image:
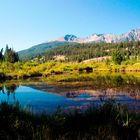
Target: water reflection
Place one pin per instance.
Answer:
(42, 96)
(122, 88)
(100, 85)
(9, 89)
(2, 88)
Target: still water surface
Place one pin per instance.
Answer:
(42, 97)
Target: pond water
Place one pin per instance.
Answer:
(43, 97)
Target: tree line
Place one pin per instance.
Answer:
(79, 52)
(9, 55)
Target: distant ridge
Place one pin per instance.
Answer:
(39, 49)
(133, 35)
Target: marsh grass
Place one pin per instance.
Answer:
(110, 121)
(22, 70)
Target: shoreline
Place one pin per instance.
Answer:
(101, 71)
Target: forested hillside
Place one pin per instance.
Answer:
(79, 52)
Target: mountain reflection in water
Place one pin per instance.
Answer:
(42, 97)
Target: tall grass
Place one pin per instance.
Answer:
(108, 122)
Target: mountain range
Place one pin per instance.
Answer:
(133, 35)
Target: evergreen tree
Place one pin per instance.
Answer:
(1, 54)
(10, 55)
(117, 57)
(6, 53)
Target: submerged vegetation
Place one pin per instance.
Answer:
(109, 121)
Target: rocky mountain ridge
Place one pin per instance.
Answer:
(133, 35)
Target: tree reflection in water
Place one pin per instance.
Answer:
(124, 89)
(2, 88)
(9, 89)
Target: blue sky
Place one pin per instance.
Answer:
(24, 23)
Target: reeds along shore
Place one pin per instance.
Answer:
(109, 121)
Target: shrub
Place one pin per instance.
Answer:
(117, 57)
